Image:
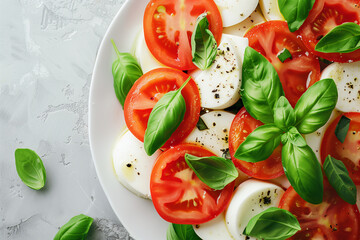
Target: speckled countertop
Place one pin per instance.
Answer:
(47, 54)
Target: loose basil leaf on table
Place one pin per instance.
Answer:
(315, 106)
(259, 144)
(216, 172)
(261, 87)
(284, 114)
(201, 125)
(295, 12)
(164, 119)
(126, 70)
(203, 44)
(342, 128)
(273, 223)
(339, 178)
(76, 228)
(344, 38)
(30, 168)
(181, 232)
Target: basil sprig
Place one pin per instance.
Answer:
(203, 43)
(164, 119)
(216, 172)
(295, 12)
(344, 38)
(284, 114)
(126, 70)
(342, 128)
(339, 178)
(76, 228)
(272, 224)
(181, 232)
(30, 168)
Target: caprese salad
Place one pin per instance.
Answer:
(243, 118)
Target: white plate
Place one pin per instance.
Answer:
(106, 121)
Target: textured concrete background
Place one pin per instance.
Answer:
(47, 54)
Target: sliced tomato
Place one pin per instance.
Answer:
(179, 196)
(333, 219)
(270, 38)
(242, 125)
(324, 16)
(349, 151)
(147, 91)
(168, 26)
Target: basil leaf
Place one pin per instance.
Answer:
(164, 119)
(295, 12)
(261, 87)
(181, 232)
(216, 172)
(339, 178)
(259, 144)
(284, 114)
(76, 228)
(273, 223)
(283, 55)
(201, 125)
(126, 70)
(30, 168)
(203, 43)
(344, 38)
(294, 137)
(303, 171)
(315, 106)
(236, 107)
(342, 128)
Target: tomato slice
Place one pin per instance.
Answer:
(325, 15)
(332, 219)
(272, 37)
(147, 91)
(168, 26)
(242, 125)
(179, 196)
(349, 151)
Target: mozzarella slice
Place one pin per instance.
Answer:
(144, 56)
(270, 10)
(347, 79)
(241, 28)
(216, 137)
(250, 198)
(219, 85)
(132, 165)
(213, 230)
(235, 11)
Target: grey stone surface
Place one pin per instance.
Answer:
(47, 54)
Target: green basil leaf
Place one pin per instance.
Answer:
(181, 232)
(294, 137)
(236, 107)
(216, 172)
(201, 125)
(76, 228)
(344, 38)
(259, 144)
(339, 178)
(303, 171)
(164, 119)
(284, 114)
(295, 12)
(315, 106)
(342, 128)
(272, 224)
(126, 70)
(284, 54)
(261, 87)
(30, 168)
(203, 43)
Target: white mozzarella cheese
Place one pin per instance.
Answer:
(219, 85)
(216, 137)
(144, 56)
(132, 165)
(235, 11)
(347, 79)
(249, 199)
(213, 230)
(240, 29)
(270, 10)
